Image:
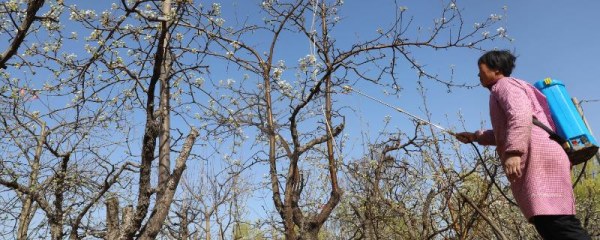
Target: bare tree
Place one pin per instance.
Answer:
(72, 167)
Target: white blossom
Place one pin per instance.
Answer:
(235, 44)
(495, 17)
(199, 81)
(501, 31)
(216, 7)
(267, 4)
(277, 72)
(219, 21)
(230, 82)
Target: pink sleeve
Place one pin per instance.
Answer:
(485, 137)
(517, 109)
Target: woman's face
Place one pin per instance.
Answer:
(488, 76)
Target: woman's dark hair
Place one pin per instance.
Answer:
(501, 60)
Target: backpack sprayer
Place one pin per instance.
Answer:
(572, 133)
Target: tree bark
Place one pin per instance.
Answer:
(112, 218)
(162, 206)
(29, 208)
(56, 218)
(207, 225)
(184, 232)
(151, 133)
(164, 147)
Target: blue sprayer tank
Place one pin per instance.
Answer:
(568, 121)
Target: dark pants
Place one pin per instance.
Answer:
(560, 227)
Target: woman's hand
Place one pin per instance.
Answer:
(512, 167)
(466, 137)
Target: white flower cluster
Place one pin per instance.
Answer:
(12, 5)
(82, 15)
(277, 72)
(216, 9)
(501, 31)
(235, 44)
(286, 88)
(453, 6)
(51, 46)
(199, 81)
(229, 82)
(105, 18)
(94, 35)
(309, 61)
(218, 21)
(495, 17)
(267, 4)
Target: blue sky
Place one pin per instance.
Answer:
(551, 39)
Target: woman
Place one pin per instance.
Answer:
(536, 166)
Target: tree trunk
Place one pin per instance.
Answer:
(207, 226)
(184, 232)
(25, 217)
(162, 205)
(311, 234)
(164, 152)
(112, 218)
(151, 133)
(56, 219)
(29, 208)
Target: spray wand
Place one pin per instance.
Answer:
(350, 89)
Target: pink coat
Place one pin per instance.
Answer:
(545, 186)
